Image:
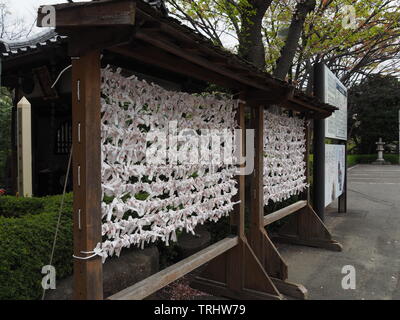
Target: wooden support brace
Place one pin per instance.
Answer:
(238, 274)
(307, 229)
(280, 214)
(163, 278)
(291, 289)
(88, 278)
(265, 250)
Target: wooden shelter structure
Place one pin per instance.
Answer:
(130, 33)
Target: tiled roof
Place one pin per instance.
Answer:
(155, 9)
(43, 39)
(159, 5)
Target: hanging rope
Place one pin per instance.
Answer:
(60, 74)
(59, 214)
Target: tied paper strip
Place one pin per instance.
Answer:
(148, 202)
(284, 164)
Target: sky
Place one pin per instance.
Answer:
(27, 9)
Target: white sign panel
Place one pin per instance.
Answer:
(335, 172)
(335, 93)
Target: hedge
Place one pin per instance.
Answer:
(353, 159)
(26, 240)
(17, 207)
(26, 244)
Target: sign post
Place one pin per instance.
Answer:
(319, 168)
(330, 161)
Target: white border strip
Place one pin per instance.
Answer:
(351, 168)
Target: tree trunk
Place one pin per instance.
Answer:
(251, 45)
(288, 52)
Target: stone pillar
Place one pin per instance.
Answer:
(24, 148)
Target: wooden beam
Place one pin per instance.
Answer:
(307, 229)
(163, 278)
(150, 55)
(167, 45)
(297, 108)
(88, 39)
(273, 263)
(295, 102)
(91, 14)
(272, 96)
(280, 214)
(221, 290)
(331, 245)
(88, 278)
(252, 283)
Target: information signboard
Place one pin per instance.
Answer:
(335, 172)
(335, 93)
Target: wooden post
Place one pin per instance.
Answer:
(238, 274)
(266, 252)
(237, 218)
(319, 146)
(257, 185)
(306, 195)
(88, 277)
(235, 270)
(342, 201)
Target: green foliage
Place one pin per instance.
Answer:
(354, 159)
(26, 240)
(5, 130)
(26, 244)
(374, 108)
(351, 52)
(392, 158)
(17, 207)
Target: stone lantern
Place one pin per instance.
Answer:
(380, 150)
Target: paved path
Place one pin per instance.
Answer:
(370, 234)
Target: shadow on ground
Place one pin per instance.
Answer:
(370, 235)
